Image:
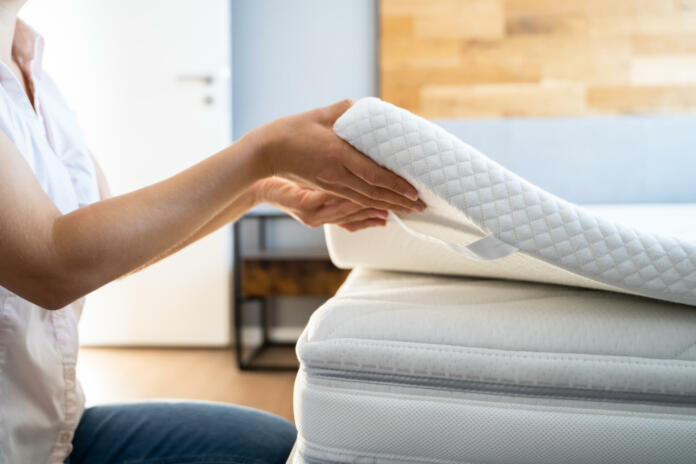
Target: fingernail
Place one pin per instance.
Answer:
(412, 195)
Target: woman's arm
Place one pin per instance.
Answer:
(237, 207)
(52, 259)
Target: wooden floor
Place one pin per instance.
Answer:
(111, 375)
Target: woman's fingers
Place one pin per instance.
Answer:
(367, 213)
(332, 112)
(364, 224)
(374, 174)
(335, 209)
(357, 197)
(344, 177)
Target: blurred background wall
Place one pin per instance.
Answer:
(502, 58)
(593, 100)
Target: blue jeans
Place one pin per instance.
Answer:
(180, 433)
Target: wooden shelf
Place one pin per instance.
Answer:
(305, 277)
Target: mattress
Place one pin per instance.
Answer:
(498, 224)
(405, 368)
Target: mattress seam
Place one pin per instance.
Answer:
(478, 352)
(449, 375)
(500, 387)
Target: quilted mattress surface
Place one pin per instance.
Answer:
(499, 224)
(401, 367)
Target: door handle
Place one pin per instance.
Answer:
(205, 79)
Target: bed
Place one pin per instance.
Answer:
(435, 351)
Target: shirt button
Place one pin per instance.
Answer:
(70, 372)
(64, 437)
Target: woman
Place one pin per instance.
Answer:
(62, 237)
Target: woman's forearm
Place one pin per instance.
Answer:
(236, 209)
(105, 240)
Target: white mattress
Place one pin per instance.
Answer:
(403, 367)
(499, 224)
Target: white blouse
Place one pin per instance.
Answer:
(40, 399)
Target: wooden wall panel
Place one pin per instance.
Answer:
(489, 58)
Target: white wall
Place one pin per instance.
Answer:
(124, 67)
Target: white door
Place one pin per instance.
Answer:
(149, 80)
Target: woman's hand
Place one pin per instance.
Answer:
(314, 208)
(303, 148)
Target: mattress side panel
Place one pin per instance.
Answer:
(513, 316)
(344, 422)
(505, 332)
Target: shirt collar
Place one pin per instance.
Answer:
(27, 47)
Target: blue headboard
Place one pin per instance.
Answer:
(602, 159)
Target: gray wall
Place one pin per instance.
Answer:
(292, 56)
(603, 159)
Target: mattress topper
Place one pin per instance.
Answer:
(502, 225)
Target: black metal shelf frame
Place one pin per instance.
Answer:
(249, 361)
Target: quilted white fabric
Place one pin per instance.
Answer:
(481, 198)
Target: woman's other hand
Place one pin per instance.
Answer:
(315, 208)
(304, 148)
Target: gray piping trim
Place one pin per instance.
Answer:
(504, 389)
